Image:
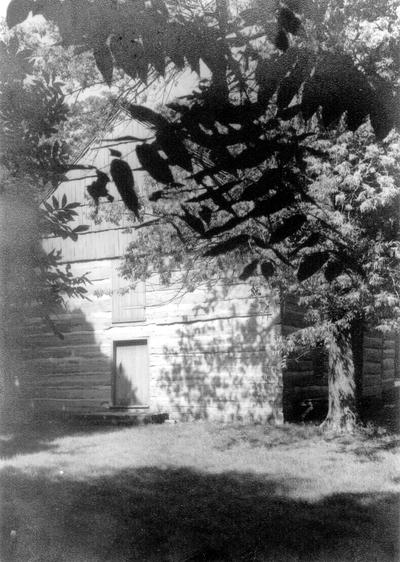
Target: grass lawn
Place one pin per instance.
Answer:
(198, 492)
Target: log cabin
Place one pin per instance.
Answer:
(153, 350)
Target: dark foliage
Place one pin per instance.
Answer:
(288, 20)
(249, 270)
(169, 142)
(228, 245)
(311, 263)
(122, 176)
(246, 134)
(194, 222)
(154, 164)
(267, 269)
(287, 228)
(146, 116)
(98, 188)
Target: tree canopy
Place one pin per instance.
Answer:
(280, 74)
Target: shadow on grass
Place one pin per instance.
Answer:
(35, 437)
(265, 436)
(367, 444)
(177, 515)
(367, 448)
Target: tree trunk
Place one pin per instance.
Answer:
(342, 411)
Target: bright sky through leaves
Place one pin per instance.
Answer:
(3, 8)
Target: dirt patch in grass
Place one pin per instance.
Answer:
(201, 492)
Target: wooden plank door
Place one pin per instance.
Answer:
(131, 374)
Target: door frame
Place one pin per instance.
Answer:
(122, 342)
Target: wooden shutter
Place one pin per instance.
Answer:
(128, 305)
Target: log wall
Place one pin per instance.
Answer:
(214, 353)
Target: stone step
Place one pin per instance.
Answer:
(112, 417)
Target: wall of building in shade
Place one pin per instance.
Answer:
(305, 376)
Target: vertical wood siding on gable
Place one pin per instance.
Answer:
(91, 246)
(104, 239)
